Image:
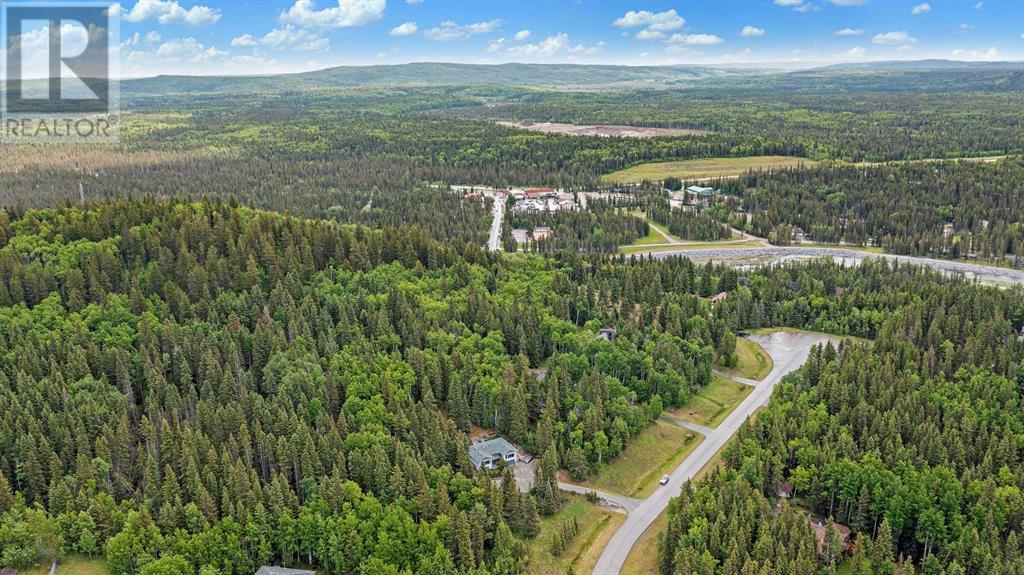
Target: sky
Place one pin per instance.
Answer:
(272, 36)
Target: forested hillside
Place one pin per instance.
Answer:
(228, 387)
(914, 441)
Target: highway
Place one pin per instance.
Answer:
(494, 241)
(789, 351)
(973, 271)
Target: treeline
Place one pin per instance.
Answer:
(833, 125)
(209, 388)
(913, 441)
(944, 209)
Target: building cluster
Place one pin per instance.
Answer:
(542, 200)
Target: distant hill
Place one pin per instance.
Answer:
(440, 74)
(933, 64)
(893, 76)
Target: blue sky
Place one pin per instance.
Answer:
(261, 36)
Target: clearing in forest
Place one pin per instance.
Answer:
(704, 168)
(655, 452)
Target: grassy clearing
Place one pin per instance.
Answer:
(704, 168)
(73, 565)
(653, 237)
(690, 246)
(650, 455)
(713, 403)
(596, 526)
(753, 362)
(771, 330)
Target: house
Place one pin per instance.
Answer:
(8, 571)
(820, 530)
(786, 490)
(608, 333)
(473, 196)
(520, 235)
(488, 454)
(541, 193)
(541, 233)
(272, 570)
(719, 298)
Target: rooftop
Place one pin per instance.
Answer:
(496, 447)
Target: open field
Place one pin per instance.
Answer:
(604, 131)
(73, 565)
(704, 168)
(656, 451)
(596, 525)
(713, 403)
(690, 246)
(752, 361)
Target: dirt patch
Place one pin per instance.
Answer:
(602, 130)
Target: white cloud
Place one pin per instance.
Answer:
(855, 52)
(749, 31)
(695, 39)
(893, 38)
(798, 5)
(522, 35)
(648, 34)
(848, 2)
(346, 14)
(168, 12)
(850, 32)
(244, 41)
(965, 27)
(990, 54)
(152, 37)
(553, 45)
(921, 9)
(655, 24)
(667, 20)
(979, 5)
(188, 50)
(449, 30)
(497, 45)
(404, 29)
(292, 38)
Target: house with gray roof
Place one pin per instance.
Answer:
(488, 454)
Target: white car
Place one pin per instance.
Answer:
(664, 480)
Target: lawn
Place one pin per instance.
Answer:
(73, 565)
(652, 237)
(596, 526)
(704, 168)
(690, 246)
(752, 361)
(653, 453)
(714, 402)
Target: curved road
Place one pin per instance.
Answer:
(628, 504)
(789, 351)
(982, 272)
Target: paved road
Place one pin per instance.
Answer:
(789, 351)
(981, 272)
(626, 503)
(494, 241)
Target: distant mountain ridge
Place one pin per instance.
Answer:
(922, 75)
